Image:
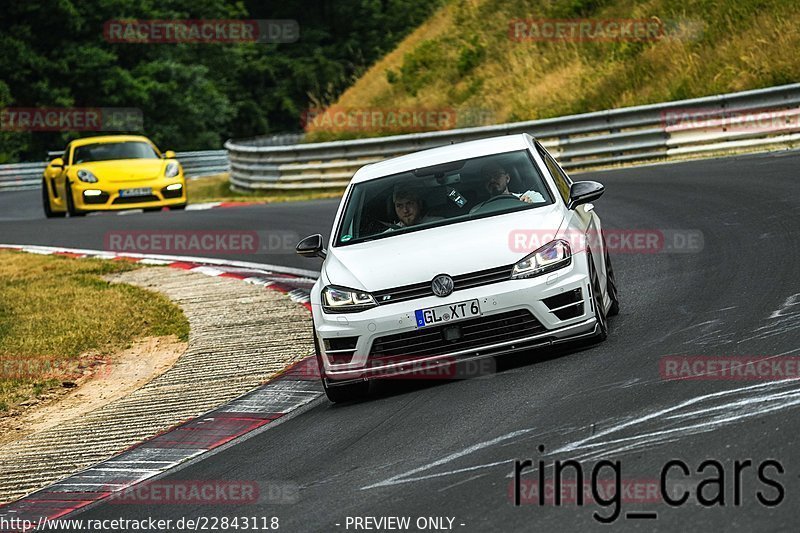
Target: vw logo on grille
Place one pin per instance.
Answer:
(442, 285)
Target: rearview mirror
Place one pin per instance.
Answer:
(57, 163)
(311, 246)
(169, 154)
(583, 192)
(438, 171)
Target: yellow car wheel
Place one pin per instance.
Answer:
(73, 211)
(48, 211)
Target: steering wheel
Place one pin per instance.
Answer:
(485, 203)
(501, 197)
(388, 225)
(376, 226)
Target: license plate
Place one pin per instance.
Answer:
(444, 314)
(141, 191)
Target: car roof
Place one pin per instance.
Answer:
(442, 154)
(109, 139)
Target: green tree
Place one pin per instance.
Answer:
(53, 53)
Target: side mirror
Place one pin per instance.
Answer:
(583, 192)
(311, 246)
(57, 163)
(169, 154)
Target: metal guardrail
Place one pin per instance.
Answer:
(21, 176)
(205, 163)
(632, 134)
(195, 164)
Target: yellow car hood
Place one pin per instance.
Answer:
(126, 170)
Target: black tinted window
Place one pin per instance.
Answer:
(110, 151)
(443, 194)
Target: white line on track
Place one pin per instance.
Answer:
(404, 477)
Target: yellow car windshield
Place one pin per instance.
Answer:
(111, 151)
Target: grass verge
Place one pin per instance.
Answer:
(59, 317)
(465, 58)
(217, 189)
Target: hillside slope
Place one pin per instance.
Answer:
(467, 57)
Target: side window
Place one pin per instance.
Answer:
(562, 180)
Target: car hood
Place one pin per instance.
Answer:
(454, 249)
(125, 170)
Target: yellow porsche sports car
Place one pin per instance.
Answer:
(110, 173)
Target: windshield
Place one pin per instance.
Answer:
(440, 195)
(110, 151)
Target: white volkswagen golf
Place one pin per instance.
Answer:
(456, 253)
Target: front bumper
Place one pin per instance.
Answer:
(109, 198)
(373, 326)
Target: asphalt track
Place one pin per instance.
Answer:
(446, 449)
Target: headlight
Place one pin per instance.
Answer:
(342, 300)
(552, 256)
(172, 169)
(86, 176)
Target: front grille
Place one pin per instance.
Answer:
(474, 333)
(176, 193)
(463, 281)
(99, 199)
(136, 199)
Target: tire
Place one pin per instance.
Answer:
(611, 287)
(597, 303)
(177, 207)
(152, 209)
(73, 211)
(48, 211)
(338, 393)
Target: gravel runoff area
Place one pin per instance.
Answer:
(241, 335)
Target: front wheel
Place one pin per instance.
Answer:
(73, 211)
(611, 287)
(48, 211)
(597, 302)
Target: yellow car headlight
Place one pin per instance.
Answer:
(86, 176)
(172, 169)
